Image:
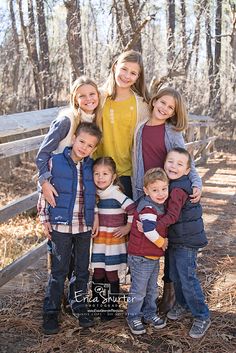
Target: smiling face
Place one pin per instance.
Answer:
(158, 191)
(83, 145)
(126, 74)
(163, 109)
(103, 176)
(176, 165)
(87, 98)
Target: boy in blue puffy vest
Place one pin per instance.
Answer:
(72, 220)
(186, 235)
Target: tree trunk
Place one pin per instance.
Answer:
(132, 8)
(183, 30)
(218, 27)
(30, 42)
(44, 56)
(74, 40)
(209, 55)
(16, 58)
(171, 31)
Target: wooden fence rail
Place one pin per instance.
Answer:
(199, 142)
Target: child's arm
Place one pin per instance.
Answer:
(57, 132)
(193, 175)
(129, 207)
(176, 200)
(95, 228)
(42, 207)
(149, 222)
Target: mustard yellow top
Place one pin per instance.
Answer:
(118, 124)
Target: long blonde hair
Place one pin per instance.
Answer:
(180, 118)
(139, 86)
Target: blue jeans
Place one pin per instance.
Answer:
(143, 290)
(188, 290)
(62, 244)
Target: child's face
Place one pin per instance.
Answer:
(126, 74)
(176, 165)
(83, 145)
(103, 176)
(163, 109)
(87, 98)
(158, 191)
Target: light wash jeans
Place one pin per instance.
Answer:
(143, 290)
(188, 291)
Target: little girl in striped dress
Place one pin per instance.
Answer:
(109, 253)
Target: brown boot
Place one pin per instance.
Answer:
(168, 298)
(49, 262)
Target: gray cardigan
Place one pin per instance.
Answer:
(173, 139)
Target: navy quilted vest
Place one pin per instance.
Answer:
(189, 230)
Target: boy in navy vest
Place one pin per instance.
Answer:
(144, 251)
(186, 235)
(70, 221)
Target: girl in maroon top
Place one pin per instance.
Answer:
(154, 138)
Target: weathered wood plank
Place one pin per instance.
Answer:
(28, 121)
(14, 148)
(200, 142)
(22, 263)
(18, 206)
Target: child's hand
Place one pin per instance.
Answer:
(196, 195)
(139, 226)
(165, 245)
(47, 229)
(122, 231)
(95, 226)
(48, 192)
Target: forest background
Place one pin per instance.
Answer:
(188, 44)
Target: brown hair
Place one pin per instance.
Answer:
(109, 162)
(91, 128)
(182, 150)
(180, 118)
(139, 86)
(153, 175)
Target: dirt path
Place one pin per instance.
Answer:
(21, 299)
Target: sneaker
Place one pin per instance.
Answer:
(136, 326)
(199, 328)
(177, 312)
(50, 323)
(155, 321)
(85, 320)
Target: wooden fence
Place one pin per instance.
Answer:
(199, 141)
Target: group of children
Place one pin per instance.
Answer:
(83, 198)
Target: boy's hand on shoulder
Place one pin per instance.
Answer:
(165, 245)
(95, 226)
(122, 231)
(47, 229)
(49, 192)
(196, 195)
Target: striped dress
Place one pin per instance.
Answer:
(108, 252)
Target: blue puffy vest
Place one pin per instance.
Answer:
(189, 230)
(65, 179)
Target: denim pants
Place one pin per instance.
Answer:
(61, 254)
(188, 289)
(143, 290)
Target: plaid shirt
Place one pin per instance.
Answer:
(78, 222)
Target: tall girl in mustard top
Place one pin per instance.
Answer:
(124, 102)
